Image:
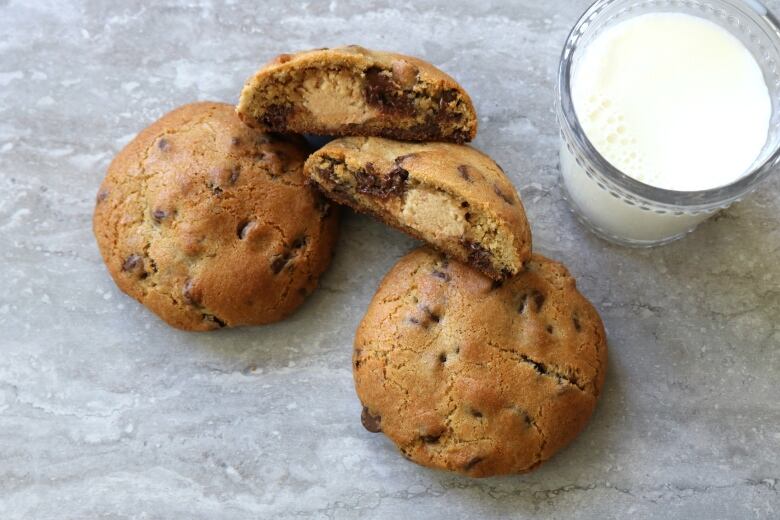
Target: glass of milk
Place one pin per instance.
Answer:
(669, 111)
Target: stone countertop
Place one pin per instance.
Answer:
(105, 412)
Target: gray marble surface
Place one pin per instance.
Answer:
(105, 412)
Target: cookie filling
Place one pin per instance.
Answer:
(432, 214)
(335, 97)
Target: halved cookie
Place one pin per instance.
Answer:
(451, 196)
(356, 91)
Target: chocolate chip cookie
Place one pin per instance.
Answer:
(356, 91)
(212, 224)
(451, 196)
(475, 376)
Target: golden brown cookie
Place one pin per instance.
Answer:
(451, 196)
(474, 376)
(210, 223)
(356, 91)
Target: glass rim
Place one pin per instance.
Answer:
(638, 189)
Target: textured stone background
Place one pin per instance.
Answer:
(107, 413)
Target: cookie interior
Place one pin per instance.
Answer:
(349, 97)
(447, 221)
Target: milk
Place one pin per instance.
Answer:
(673, 101)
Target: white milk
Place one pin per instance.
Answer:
(672, 100)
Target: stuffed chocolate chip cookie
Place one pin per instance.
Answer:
(452, 196)
(474, 376)
(210, 223)
(356, 91)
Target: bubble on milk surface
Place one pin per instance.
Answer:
(606, 127)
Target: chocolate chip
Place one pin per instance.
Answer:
(478, 256)
(275, 116)
(497, 284)
(327, 173)
(244, 228)
(279, 262)
(372, 423)
(443, 357)
(163, 144)
(549, 329)
(234, 173)
(446, 110)
(383, 92)
(298, 242)
(576, 322)
(467, 216)
(132, 262)
(431, 315)
(471, 463)
(191, 294)
(369, 182)
(101, 196)
(464, 204)
(447, 97)
(538, 299)
(401, 158)
(272, 161)
(524, 415)
(320, 201)
(215, 188)
(461, 136)
(463, 170)
(213, 319)
(441, 275)
(159, 215)
(430, 439)
(476, 413)
(404, 74)
(424, 131)
(508, 199)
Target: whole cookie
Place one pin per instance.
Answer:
(356, 91)
(452, 196)
(210, 223)
(474, 376)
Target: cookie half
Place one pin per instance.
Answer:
(210, 223)
(356, 91)
(478, 377)
(451, 196)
